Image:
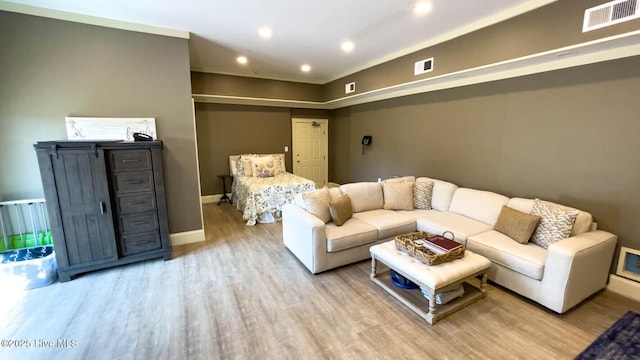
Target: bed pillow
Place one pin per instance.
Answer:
(243, 165)
(341, 210)
(516, 224)
(317, 203)
(263, 166)
(555, 223)
(281, 167)
(398, 195)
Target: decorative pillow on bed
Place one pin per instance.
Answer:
(516, 224)
(341, 210)
(243, 165)
(398, 195)
(281, 168)
(555, 223)
(263, 166)
(317, 203)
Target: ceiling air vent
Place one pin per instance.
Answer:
(611, 13)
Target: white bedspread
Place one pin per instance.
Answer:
(262, 199)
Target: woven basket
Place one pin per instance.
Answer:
(407, 243)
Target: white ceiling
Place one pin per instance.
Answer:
(304, 31)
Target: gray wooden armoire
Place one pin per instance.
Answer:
(106, 203)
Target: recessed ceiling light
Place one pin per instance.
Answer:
(347, 46)
(422, 7)
(242, 60)
(305, 68)
(265, 32)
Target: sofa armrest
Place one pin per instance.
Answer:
(304, 234)
(577, 267)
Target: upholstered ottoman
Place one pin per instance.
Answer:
(469, 271)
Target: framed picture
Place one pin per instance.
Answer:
(629, 263)
(95, 128)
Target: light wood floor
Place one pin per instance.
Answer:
(242, 295)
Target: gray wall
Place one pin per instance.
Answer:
(569, 136)
(50, 69)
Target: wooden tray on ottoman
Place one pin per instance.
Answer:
(407, 243)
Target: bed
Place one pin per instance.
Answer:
(261, 186)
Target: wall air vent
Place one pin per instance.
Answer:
(350, 87)
(423, 66)
(611, 13)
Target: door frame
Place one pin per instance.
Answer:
(326, 142)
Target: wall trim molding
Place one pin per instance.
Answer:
(93, 20)
(187, 237)
(247, 100)
(208, 199)
(605, 49)
(625, 287)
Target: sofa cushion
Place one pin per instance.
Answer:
(516, 224)
(398, 195)
(442, 193)
(583, 221)
(479, 205)
(422, 194)
(526, 259)
(437, 222)
(317, 203)
(555, 223)
(340, 210)
(388, 222)
(364, 195)
(351, 234)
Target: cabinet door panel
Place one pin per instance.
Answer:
(85, 209)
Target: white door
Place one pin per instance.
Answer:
(310, 154)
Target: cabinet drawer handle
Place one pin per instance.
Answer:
(136, 223)
(139, 202)
(130, 182)
(130, 160)
(101, 204)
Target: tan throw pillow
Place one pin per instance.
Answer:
(422, 194)
(555, 223)
(341, 210)
(317, 203)
(398, 195)
(516, 224)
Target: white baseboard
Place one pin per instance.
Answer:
(207, 199)
(187, 237)
(625, 287)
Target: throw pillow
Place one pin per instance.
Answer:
(516, 224)
(317, 203)
(280, 166)
(422, 194)
(398, 195)
(263, 166)
(555, 223)
(341, 210)
(243, 165)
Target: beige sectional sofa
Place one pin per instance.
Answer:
(558, 277)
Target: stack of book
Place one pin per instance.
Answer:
(440, 244)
